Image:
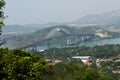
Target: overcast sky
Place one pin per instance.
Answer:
(45, 11)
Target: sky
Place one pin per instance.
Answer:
(46, 11)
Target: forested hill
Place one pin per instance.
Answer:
(26, 39)
(104, 18)
(20, 40)
(28, 28)
(22, 65)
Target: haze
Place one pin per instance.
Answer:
(45, 11)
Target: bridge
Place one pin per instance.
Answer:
(52, 35)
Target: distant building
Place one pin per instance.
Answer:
(87, 63)
(85, 59)
(116, 71)
(53, 61)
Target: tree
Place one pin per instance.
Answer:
(2, 4)
(20, 65)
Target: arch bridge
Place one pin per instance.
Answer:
(52, 35)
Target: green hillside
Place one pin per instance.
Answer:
(59, 37)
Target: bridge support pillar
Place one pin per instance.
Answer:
(69, 42)
(76, 40)
(34, 48)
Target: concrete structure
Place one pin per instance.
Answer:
(53, 61)
(52, 34)
(83, 58)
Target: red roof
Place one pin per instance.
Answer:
(87, 63)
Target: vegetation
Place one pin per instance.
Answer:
(108, 56)
(76, 71)
(2, 4)
(21, 65)
(103, 51)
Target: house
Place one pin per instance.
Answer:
(85, 59)
(87, 63)
(53, 61)
(116, 71)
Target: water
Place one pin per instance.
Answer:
(105, 41)
(100, 42)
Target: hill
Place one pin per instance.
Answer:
(26, 39)
(105, 18)
(20, 28)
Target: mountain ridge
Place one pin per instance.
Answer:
(104, 18)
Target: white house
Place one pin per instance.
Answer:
(83, 58)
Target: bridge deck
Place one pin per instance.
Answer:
(41, 41)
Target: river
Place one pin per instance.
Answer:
(94, 43)
(100, 42)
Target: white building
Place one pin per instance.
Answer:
(83, 58)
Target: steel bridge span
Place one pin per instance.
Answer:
(52, 35)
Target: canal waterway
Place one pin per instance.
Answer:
(91, 44)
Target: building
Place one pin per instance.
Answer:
(53, 61)
(116, 71)
(85, 59)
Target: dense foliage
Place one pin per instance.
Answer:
(21, 65)
(76, 71)
(2, 4)
(103, 51)
(108, 56)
